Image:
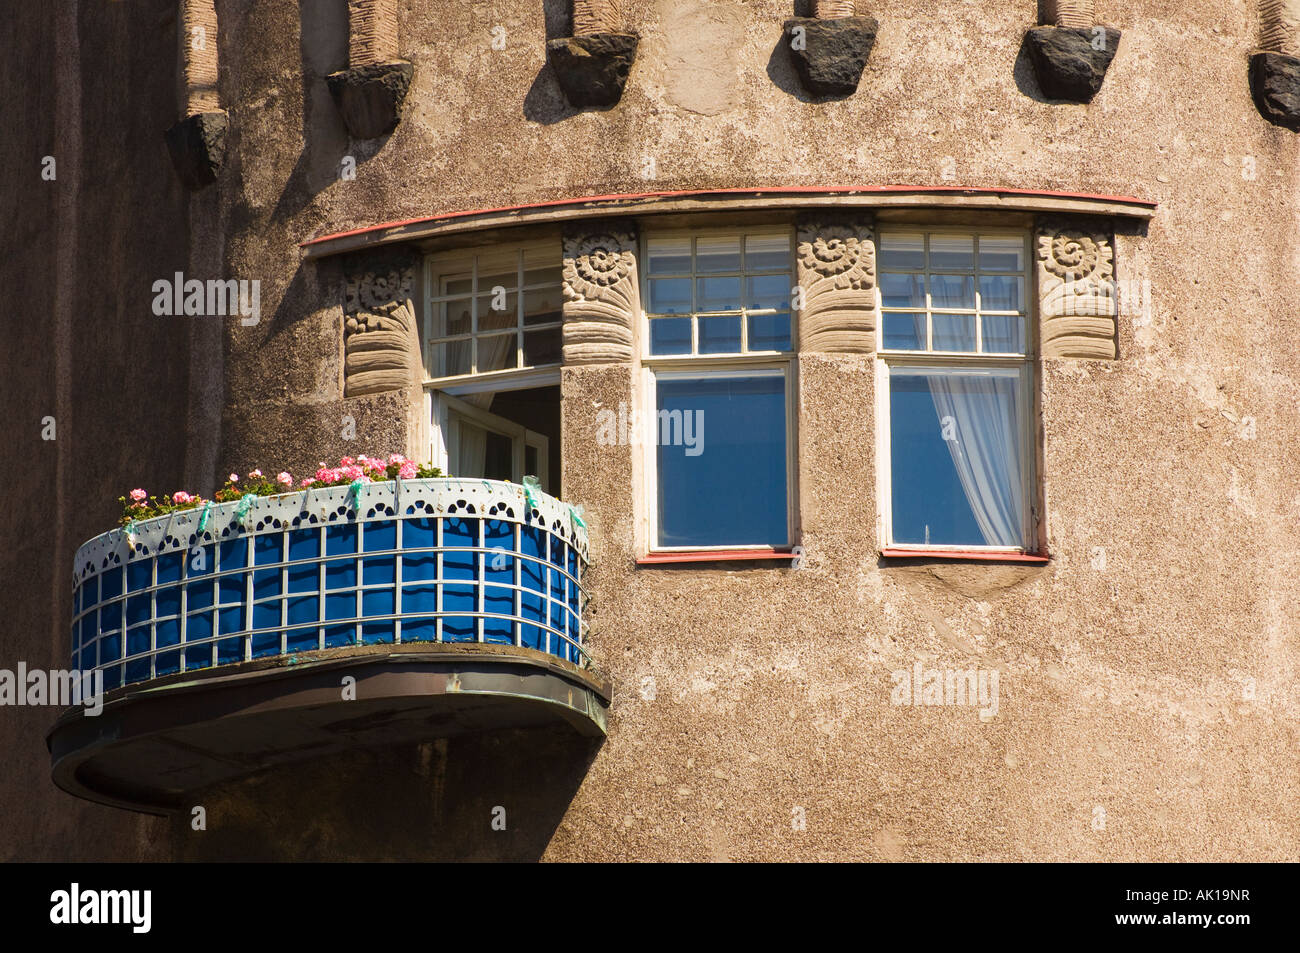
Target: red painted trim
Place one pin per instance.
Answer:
(779, 190)
(714, 556)
(977, 555)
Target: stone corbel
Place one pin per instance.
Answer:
(831, 47)
(381, 345)
(1275, 69)
(1071, 52)
(1077, 313)
(836, 261)
(370, 92)
(601, 296)
(592, 65)
(197, 143)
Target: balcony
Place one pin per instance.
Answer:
(313, 621)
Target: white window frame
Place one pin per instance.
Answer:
(1021, 367)
(714, 366)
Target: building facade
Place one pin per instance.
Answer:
(916, 381)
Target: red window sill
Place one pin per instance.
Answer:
(715, 556)
(976, 555)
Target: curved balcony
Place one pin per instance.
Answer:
(314, 620)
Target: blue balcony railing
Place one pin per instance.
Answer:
(441, 560)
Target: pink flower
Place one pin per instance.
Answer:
(138, 495)
(284, 479)
(408, 470)
(137, 506)
(346, 462)
(180, 496)
(396, 458)
(255, 473)
(234, 478)
(306, 482)
(353, 472)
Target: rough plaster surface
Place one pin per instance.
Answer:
(1150, 670)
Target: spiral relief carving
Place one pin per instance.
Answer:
(380, 342)
(1076, 289)
(600, 296)
(837, 275)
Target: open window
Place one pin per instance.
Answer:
(492, 349)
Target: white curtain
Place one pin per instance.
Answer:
(471, 449)
(985, 448)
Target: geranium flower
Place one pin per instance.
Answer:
(284, 479)
(180, 496)
(138, 495)
(234, 478)
(408, 470)
(255, 473)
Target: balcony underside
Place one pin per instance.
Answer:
(157, 744)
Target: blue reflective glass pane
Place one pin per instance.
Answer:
(902, 291)
(769, 332)
(670, 336)
(953, 332)
(720, 335)
(904, 332)
(767, 292)
(670, 296)
(717, 294)
(950, 432)
(952, 291)
(722, 462)
(1003, 333)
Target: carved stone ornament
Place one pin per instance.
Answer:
(600, 296)
(1076, 292)
(381, 347)
(837, 276)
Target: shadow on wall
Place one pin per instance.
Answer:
(545, 102)
(323, 42)
(445, 800)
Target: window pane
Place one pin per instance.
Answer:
(451, 358)
(717, 254)
(954, 332)
(1002, 254)
(671, 256)
(767, 252)
(769, 332)
(462, 285)
(455, 318)
(542, 306)
(767, 292)
(498, 352)
(498, 311)
(721, 461)
(717, 294)
(999, 293)
(670, 296)
(956, 458)
(720, 335)
(952, 291)
(542, 347)
(1003, 333)
(902, 291)
(670, 336)
(904, 332)
(903, 252)
(481, 453)
(952, 253)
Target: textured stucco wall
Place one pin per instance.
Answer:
(1169, 475)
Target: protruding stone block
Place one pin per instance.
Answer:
(601, 301)
(1071, 62)
(829, 55)
(592, 69)
(1275, 86)
(1076, 291)
(198, 147)
(370, 96)
(381, 346)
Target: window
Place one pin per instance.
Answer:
(493, 309)
(718, 358)
(492, 349)
(955, 392)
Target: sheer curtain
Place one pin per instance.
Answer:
(471, 449)
(985, 448)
